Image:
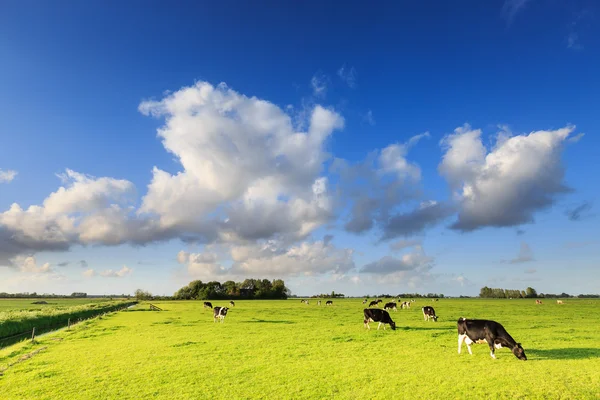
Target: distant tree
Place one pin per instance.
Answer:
(143, 295)
(530, 293)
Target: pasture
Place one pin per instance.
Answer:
(27, 304)
(288, 350)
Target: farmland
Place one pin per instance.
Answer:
(27, 304)
(284, 349)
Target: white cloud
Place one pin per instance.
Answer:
(374, 187)
(109, 273)
(88, 273)
(507, 185)
(576, 138)
(29, 265)
(270, 259)
(247, 174)
(318, 83)
(348, 75)
(7, 176)
(242, 161)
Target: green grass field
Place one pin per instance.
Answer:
(27, 304)
(288, 350)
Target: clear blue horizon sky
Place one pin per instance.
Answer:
(410, 147)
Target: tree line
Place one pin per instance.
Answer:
(248, 289)
(495, 293)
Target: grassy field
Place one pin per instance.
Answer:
(288, 350)
(27, 304)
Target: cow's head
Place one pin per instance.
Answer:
(393, 325)
(519, 352)
(435, 317)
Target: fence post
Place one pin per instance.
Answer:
(69, 324)
(33, 335)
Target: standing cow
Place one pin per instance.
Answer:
(208, 304)
(485, 331)
(329, 303)
(377, 315)
(219, 313)
(429, 312)
(390, 306)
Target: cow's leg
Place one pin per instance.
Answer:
(379, 326)
(490, 341)
(461, 339)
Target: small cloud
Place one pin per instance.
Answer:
(89, 273)
(580, 212)
(348, 75)
(511, 8)
(109, 273)
(404, 244)
(83, 264)
(368, 118)
(525, 255)
(573, 41)
(7, 176)
(327, 239)
(318, 84)
(576, 138)
(520, 232)
(531, 271)
(62, 264)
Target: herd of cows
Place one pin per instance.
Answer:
(469, 330)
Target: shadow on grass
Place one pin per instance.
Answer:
(418, 328)
(254, 320)
(574, 353)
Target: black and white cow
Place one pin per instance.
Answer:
(219, 313)
(390, 306)
(373, 303)
(365, 301)
(377, 315)
(379, 301)
(405, 304)
(208, 304)
(318, 302)
(429, 312)
(481, 331)
(329, 303)
(231, 303)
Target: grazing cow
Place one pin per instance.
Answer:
(379, 301)
(329, 303)
(231, 303)
(319, 302)
(538, 302)
(365, 301)
(559, 302)
(429, 312)
(373, 303)
(482, 330)
(377, 315)
(405, 304)
(219, 313)
(391, 306)
(208, 304)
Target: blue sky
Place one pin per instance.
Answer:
(417, 146)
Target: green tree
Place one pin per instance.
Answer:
(530, 292)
